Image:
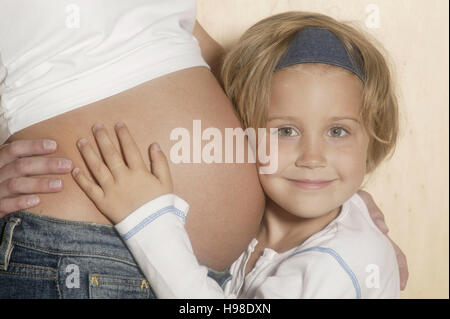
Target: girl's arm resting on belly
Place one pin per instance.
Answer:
(173, 271)
(18, 161)
(158, 217)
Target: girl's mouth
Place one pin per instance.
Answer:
(310, 184)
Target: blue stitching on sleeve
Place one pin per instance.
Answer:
(151, 218)
(340, 261)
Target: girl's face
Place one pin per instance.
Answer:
(322, 145)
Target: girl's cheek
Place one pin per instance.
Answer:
(287, 152)
(286, 155)
(349, 159)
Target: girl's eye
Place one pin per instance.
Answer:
(337, 132)
(287, 131)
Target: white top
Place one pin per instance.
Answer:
(59, 55)
(349, 258)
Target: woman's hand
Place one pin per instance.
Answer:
(18, 161)
(378, 218)
(123, 184)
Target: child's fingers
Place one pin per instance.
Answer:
(92, 190)
(112, 158)
(130, 150)
(94, 163)
(159, 164)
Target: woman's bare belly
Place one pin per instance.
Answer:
(226, 200)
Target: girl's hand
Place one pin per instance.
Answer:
(123, 185)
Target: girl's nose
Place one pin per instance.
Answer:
(311, 155)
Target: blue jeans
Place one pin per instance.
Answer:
(45, 257)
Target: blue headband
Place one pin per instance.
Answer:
(319, 45)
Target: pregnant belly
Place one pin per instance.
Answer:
(226, 200)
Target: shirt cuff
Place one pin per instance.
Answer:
(150, 211)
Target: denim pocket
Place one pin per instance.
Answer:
(29, 275)
(118, 287)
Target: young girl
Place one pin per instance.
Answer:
(326, 92)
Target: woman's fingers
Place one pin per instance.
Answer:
(17, 162)
(95, 164)
(14, 150)
(27, 185)
(378, 218)
(92, 190)
(9, 205)
(375, 212)
(159, 164)
(402, 265)
(28, 166)
(130, 150)
(112, 158)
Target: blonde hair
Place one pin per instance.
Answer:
(248, 68)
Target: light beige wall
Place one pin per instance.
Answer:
(412, 188)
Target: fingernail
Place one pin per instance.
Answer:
(120, 124)
(63, 163)
(55, 183)
(49, 145)
(156, 147)
(75, 171)
(32, 200)
(382, 225)
(82, 142)
(97, 127)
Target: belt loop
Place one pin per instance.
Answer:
(6, 242)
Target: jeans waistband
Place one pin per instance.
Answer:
(64, 237)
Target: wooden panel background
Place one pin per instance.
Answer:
(412, 187)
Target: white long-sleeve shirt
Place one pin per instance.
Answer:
(349, 258)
